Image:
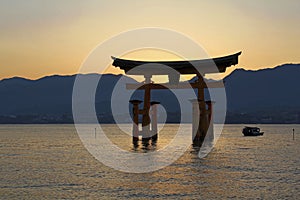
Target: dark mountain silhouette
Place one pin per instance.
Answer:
(252, 97)
(264, 96)
(267, 88)
(48, 95)
(49, 99)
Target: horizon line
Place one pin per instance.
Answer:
(91, 73)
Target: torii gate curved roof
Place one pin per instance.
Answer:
(183, 67)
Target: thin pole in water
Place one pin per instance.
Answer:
(293, 134)
(95, 132)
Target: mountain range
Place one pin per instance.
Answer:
(262, 96)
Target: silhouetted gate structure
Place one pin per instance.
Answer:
(202, 110)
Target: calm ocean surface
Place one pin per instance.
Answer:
(50, 162)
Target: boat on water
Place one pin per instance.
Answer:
(252, 131)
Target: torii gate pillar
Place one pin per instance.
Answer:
(146, 111)
(202, 121)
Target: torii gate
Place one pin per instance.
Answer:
(201, 120)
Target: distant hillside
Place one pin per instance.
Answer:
(264, 89)
(267, 95)
(264, 96)
(49, 98)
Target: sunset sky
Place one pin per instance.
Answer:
(40, 37)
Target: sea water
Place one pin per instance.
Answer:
(50, 162)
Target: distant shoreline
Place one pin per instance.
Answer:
(130, 123)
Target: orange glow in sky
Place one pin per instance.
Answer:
(40, 38)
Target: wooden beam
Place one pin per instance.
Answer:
(142, 86)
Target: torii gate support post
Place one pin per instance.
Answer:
(195, 120)
(201, 128)
(203, 121)
(210, 128)
(154, 120)
(135, 128)
(146, 118)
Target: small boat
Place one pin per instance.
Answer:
(252, 131)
